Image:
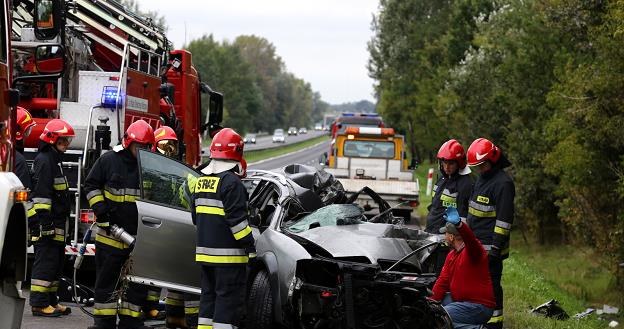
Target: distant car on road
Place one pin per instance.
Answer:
(278, 136)
(250, 138)
(292, 131)
(318, 126)
(303, 130)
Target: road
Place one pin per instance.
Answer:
(308, 156)
(264, 142)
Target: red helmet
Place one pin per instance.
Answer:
(165, 141)
(482, 150)
(227, 145)
(138, 132)
(56, 128)
(453, 151)
(24, 123)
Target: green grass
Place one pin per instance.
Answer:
(425, 200)
(573, 276)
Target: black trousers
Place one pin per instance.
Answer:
(46, 271)
(110, 285)
(222, 295)
(496, 272)
(182, 305)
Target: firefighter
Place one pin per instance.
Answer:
(25, 124)
(111, 189)
(181, 309)
(50, 209)
(491, 212)
(224, 240)
(453, 188)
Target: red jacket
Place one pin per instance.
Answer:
(466, 273)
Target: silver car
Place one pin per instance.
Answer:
(321, 263)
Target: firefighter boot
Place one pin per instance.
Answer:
(63, 309)
(47, 311)
(176, 322)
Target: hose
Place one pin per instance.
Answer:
(77, 264)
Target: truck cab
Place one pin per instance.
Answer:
(375, 157)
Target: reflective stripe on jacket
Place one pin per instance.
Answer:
(453, 191)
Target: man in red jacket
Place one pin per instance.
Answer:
(465, 275)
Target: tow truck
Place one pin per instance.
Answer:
(376, 158)
(116, 68)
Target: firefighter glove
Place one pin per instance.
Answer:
(451, 215)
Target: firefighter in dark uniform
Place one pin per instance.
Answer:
(50, 209)
(453, 188)
(111, 189)
(491, 212)
(224, 240)
(181, 309)
(25, 124)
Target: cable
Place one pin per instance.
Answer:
(77, 264)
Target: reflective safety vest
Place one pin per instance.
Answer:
(491, 210)
(220, 213)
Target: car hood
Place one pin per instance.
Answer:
(373, 241)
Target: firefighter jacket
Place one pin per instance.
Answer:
(491, 210)
(22, 171)
(220, 213)
(50, 205)
(111, 188)
(449, 191)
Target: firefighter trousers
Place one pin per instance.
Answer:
(496, 272)
(182, 305)
(46, 271)
(222, 296)
(110, 285)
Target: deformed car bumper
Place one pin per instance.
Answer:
(328, 293)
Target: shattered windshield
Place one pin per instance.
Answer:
(331, 215)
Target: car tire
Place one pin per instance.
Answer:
(260, 303)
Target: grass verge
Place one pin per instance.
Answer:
(425, 200)
(573, 276)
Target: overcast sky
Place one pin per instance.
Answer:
(321, 41)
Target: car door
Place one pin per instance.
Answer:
(164, 254)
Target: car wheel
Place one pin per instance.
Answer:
(260, 303)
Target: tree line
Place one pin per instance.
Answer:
(259, 93)
(544, 79)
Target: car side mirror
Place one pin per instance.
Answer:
(47, 19)
(50, 59)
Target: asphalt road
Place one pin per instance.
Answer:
(308, 156)
(264, 142)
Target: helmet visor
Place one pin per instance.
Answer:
(64, 140)
(26, 132)
(168, 147)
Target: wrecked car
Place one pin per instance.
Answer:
(322, 263)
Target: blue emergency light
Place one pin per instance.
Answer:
(110, 98)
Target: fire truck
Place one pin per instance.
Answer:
(375, 157)
(13, 227)
(114, 68)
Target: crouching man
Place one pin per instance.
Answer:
(464, 286)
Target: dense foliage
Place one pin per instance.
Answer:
(543, 79)
(259, 93)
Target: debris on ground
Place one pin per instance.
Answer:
(584, 313)
(551, 309)
(613, 324)
(608, 309)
